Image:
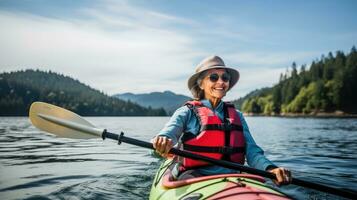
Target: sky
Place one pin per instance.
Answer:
(142, 46)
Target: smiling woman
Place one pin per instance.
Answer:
(211, 127)
(212, 68)
(213, 85)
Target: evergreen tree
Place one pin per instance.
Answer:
(329, 84)
(19, 89)
(349, 83)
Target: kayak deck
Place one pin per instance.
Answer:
(223, 186)
(167, 183)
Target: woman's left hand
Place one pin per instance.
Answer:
(283, 176)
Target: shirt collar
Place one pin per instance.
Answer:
(208, 104)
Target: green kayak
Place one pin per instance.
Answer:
(224, 186)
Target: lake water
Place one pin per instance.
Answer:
(37, 165)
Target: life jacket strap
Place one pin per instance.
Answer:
(222, 127)
(221, 150)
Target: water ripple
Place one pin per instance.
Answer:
(42, 182)
(36, 165)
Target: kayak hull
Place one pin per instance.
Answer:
(225, 186)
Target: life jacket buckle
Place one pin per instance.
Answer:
(227, 126)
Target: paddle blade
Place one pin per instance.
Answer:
(61, 122)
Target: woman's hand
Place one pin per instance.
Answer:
(162, 145)
(283, 176)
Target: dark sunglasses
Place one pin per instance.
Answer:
(214, 77)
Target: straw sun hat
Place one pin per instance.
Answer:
(211, 62)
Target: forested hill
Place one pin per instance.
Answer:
(328, 85)
(19, 89)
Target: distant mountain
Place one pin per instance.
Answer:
(167, 100)
(19, 89)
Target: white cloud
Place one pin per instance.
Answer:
(120, 15)
(269, 59)
(116, 47)
(136, 59)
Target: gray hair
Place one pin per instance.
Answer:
(201, 77)
(198, 93)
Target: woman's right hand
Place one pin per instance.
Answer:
(162, 145)
(283, 176)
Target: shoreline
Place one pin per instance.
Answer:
(337, 114)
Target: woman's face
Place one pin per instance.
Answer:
(215, 88)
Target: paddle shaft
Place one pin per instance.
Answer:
(336, 191)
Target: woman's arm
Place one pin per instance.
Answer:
(171, 132)
(255, 157)
(254, 154)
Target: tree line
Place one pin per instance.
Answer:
(328, 85)
(19, 89)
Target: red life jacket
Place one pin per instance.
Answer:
(216, 139)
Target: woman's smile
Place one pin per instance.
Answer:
(215, 88)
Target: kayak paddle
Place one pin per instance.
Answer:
(64, 123)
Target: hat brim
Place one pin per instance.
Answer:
(192, 81)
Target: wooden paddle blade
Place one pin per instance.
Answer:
(61, 122)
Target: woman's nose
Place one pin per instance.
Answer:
(220, 81)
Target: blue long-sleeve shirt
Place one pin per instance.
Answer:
(184, 120)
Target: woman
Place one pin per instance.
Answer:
(213, 128)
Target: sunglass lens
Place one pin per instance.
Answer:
(214, 77)
(226, 77)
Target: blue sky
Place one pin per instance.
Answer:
(153, 45)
